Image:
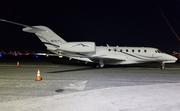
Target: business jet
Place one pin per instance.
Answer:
(100, 55)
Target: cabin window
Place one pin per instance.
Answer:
(145, 51)
(109, 49)
(115, 50)
(139, 50)
(121, 50)
(133, 50)
(126, 50)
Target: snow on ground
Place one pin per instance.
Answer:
(162, 97)
(23, 89)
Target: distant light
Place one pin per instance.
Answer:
(0, 55)
(60, 56)
(37, 56)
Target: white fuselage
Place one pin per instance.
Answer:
(126, 55)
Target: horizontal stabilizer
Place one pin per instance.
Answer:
(33, 29)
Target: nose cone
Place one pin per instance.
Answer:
(174, 58)
(170, 59)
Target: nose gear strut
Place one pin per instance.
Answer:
(162, 65)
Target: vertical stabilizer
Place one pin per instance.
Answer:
(50, 39)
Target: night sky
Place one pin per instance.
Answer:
(113, 22)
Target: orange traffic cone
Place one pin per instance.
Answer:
(38, 77)
(18, 64)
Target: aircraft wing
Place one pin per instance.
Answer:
(97, 59)
(109, 59)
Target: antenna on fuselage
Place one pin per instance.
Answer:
(107, 45)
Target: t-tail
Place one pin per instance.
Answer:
(50, 39)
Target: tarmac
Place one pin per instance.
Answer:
(79, 87)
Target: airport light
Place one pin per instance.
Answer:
(60, 56)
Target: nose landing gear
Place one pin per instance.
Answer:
(162, 65)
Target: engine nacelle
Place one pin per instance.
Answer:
(79, 47)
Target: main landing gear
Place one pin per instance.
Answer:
(99, 65)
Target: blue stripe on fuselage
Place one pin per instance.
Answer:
(131, 55)
(51, 44)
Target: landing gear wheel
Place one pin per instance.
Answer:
(162, 66)
(97, 66)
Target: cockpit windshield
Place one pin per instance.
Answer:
(158, 51)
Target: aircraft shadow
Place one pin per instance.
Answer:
(71, 70)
